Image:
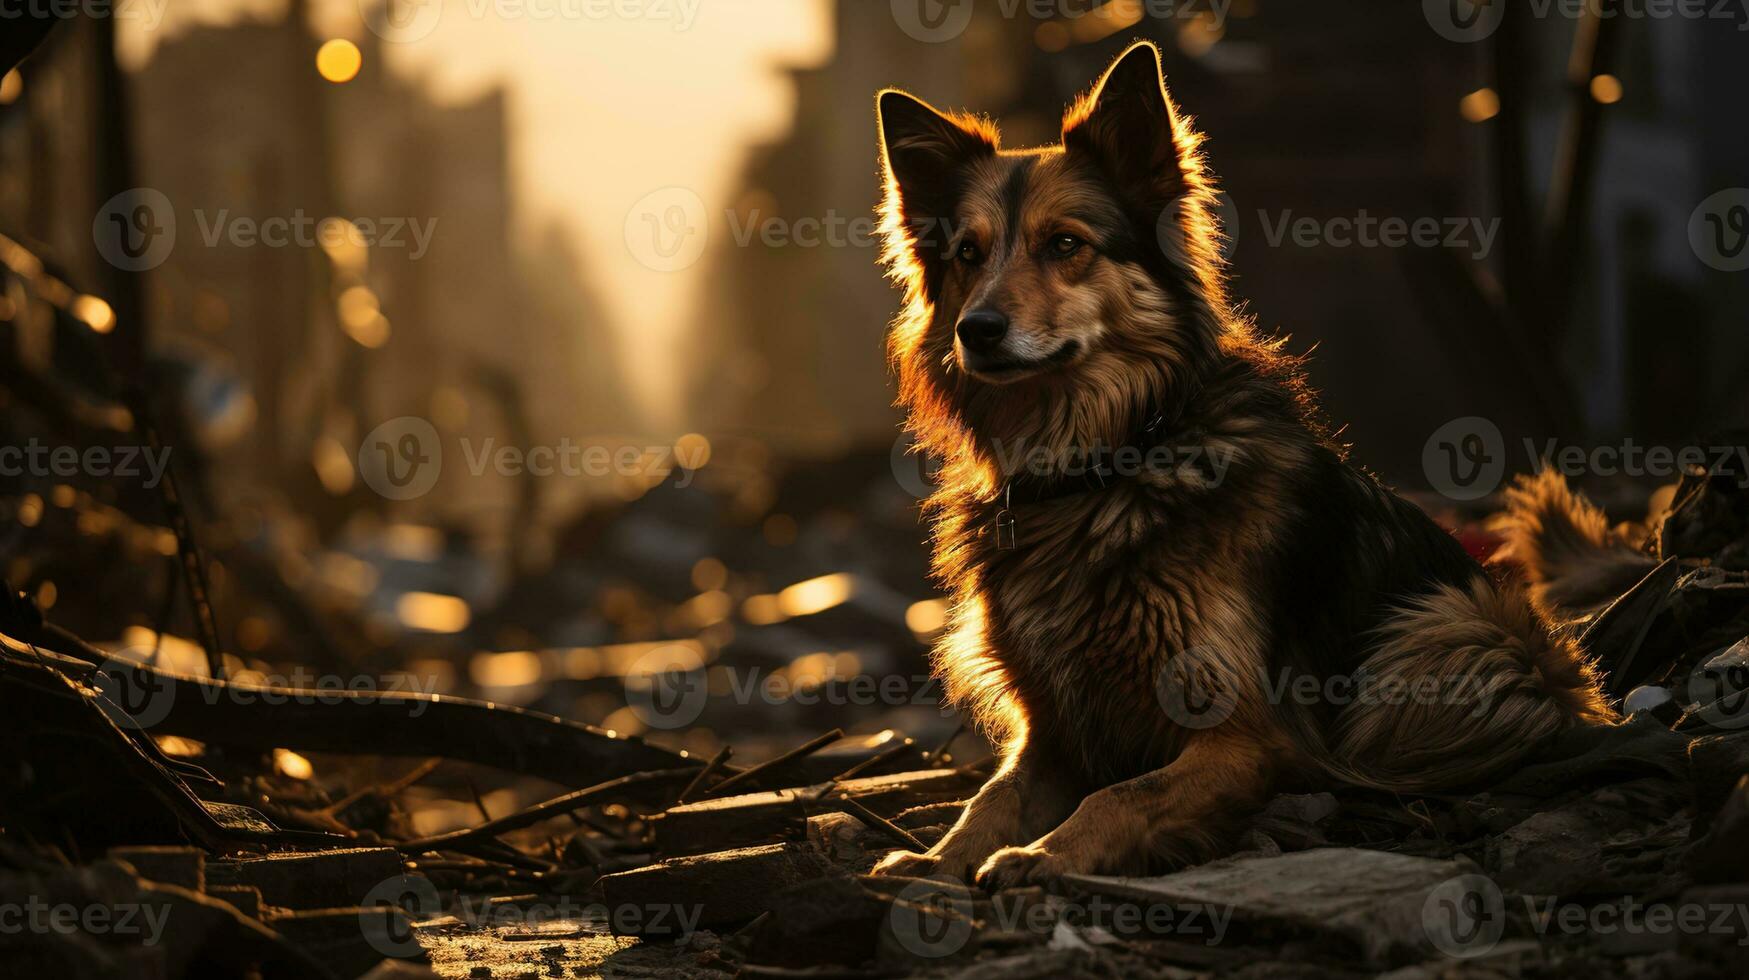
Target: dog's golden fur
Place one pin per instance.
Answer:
(1071, 640)
(1575, 562)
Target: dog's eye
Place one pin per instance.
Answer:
(1064, 246)
(969, 254)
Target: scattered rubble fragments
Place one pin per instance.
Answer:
(145, 802)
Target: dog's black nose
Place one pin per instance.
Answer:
(982, 330)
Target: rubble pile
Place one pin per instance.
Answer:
(168, 808)
(1618, 851)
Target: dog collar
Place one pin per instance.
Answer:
(1100, 472)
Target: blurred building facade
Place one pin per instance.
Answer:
(439, 317)
(1349, 113)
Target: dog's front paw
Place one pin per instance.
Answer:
(1016, 867)
(907, 864)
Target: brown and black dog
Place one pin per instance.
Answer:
(1172, 595)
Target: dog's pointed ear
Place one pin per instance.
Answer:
(923, 153)
(1130, 128)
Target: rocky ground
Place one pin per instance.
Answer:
(154, 828)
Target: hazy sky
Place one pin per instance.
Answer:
(606, 109)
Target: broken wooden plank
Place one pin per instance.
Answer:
(683, 894)
(311, 880)
(612, 791)
(344, 722)
(764, 770)
(184, 867)
(408, 724)
(779, 815)
(111, 765)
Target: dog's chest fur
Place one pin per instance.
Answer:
(1100, 591)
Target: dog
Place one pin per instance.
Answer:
(1154, 546)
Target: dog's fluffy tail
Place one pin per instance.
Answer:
(1574, 562)
(1461, 685)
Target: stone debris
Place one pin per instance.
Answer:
(1370, 901)
(1615, 851)
(320, 879)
